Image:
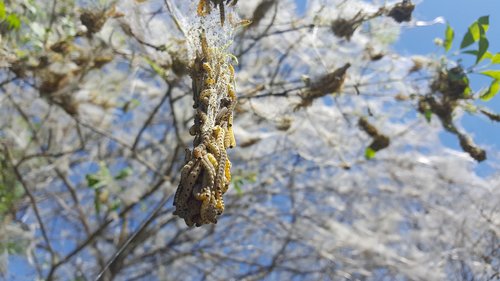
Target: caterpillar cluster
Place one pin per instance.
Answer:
(206, 175)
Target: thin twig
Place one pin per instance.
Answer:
(32, 201)
(135, 155)
(132, 237)
(51, 21)
(151, 117)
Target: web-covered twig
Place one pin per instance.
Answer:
(206, 174)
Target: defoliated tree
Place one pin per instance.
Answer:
(336, 170)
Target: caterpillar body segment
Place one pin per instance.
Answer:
(212, 160)
(188, 178)
(213, 149)
(227, 171)
(220, 176)
(207, 68)
(219, 201)
(231, 141)
(209, 171)
(231, 93)
(210, 81)
(231, 73)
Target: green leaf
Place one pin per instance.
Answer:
(449, 35)
(370, 153)
(101, 178)
(467, 40)
(92, 180)
(104, 172)
(13, 21)
(495, 74)
(2, 10)
(15, 248)
(124, 173)
(135, 103)
(428, 115)
(115, 205)
(471, 52)
(475, 31)
(495, 59)
(157, 68)
(492, 90)
(488, 55)
(468, 91)
(483, 48)
(130, 105)
(483, 45)
(237, 187)
(252, 177)
(484, 21)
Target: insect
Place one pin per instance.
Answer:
(209, 171)
(208, 211)
(205, 96)
(228, 171)
(209, 81)
(231, 93)
(219, 178)
(219, 202)
(204, 45)
(222, 114)
(207, 68)
(212, 147)
(229, 140)
(193, 130)
(212, 160)
(188, 179)
(231, 73)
